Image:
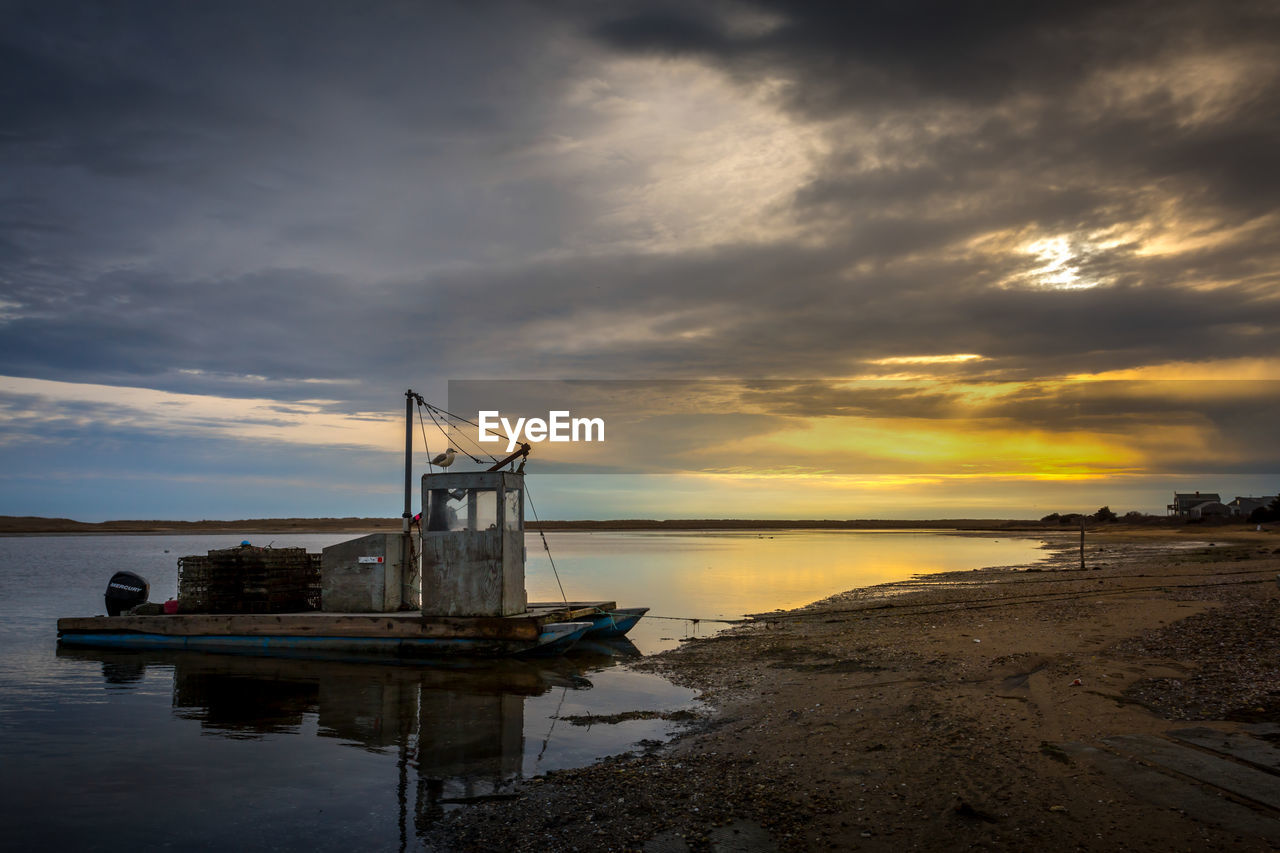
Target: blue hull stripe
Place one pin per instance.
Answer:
(383, 647)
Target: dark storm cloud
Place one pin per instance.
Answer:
(787, 313)
(966, 155)
(841, 55)
(229, 198)
(955, 121)
(196, 193)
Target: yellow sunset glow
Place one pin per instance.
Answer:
(1218, 369)
(955, 358)
(958, 448)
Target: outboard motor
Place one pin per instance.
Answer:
(126, 590)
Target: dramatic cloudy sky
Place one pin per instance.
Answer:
(234, 233)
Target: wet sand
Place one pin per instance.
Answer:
(1042, 709)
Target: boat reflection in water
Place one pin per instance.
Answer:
(458, 729)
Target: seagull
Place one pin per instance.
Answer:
(444, 460)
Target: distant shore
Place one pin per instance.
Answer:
(35, 525)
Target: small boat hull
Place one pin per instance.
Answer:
(615, 623)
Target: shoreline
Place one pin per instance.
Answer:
(40, 526)
(1018, 707)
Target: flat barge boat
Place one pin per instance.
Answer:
(542, 629)
(451, 583)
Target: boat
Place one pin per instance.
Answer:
(455, 588)
(328, 636)
(611, 624)
(606, 622)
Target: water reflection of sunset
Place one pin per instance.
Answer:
(723, 575)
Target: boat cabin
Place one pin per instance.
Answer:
(472, 544)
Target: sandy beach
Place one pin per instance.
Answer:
(1127, 706)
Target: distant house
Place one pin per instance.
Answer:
(1244, 507)
(1210, 509)
(1185, 502)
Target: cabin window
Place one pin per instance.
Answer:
(463, 509)
(511, 508)
(483, 509)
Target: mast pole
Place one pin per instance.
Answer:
(408, 460)
(406, 548)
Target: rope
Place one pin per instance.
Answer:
(453, 435)
(694, 619)
(547, 740)
(426, 447)
(461, 434)
(908, 609)
(925, 607)
(443, 431)
(547, 547)
(452, 415)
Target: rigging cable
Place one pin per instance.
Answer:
(452, 434)
(479, 449)
(428, 407)
(461, 434)
(692, 619)
(452, 415)
(529, 495)
(426, 447)
(564, 691)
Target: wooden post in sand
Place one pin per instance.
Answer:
(1082, 543)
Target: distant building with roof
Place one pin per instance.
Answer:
(1210, 505)
(1185, 502)
(1244, 507)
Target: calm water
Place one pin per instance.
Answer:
(723, 575)
(110, 750)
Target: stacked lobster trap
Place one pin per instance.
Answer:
(249, 579)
